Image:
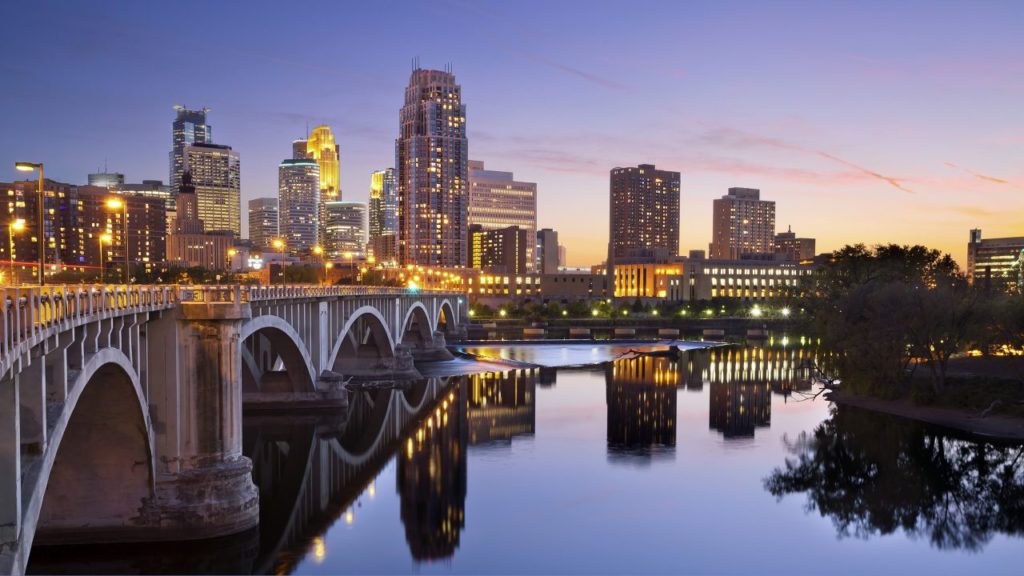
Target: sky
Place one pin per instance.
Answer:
(864, 121)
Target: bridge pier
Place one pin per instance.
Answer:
(10, 465)
(204, 484)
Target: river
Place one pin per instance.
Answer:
(714, 461)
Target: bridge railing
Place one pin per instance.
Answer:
(243, 293)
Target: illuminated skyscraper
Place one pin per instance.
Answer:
(263, 222)
(189, 127)
(497, 200)
(383, 215)
(644, 210)
(431, 164)
(743, 224)
(298, 197)
(216, 175)
(345, 227)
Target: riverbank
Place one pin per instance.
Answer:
(993, 426)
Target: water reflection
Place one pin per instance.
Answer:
(501, 406)
(873, 475)
(640, 394)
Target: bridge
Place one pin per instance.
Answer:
(121, 407)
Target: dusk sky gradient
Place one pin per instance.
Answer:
(864, 121)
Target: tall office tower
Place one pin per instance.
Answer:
(106, 179)
(383, 215)
(496, 201)
(189, 128)
(216, 175)
(547, 251)
(500, 251)
(189, 244)
(320, 146)
(431, 156)
(300, 149)
(996, 263)
(644, 210)
(263, 218)
(743, 224)
(345, 227)
(789, 247)
(299, 201)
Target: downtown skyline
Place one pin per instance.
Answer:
(909, 137)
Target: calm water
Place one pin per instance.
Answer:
(710, 463)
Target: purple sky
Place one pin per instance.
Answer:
(864, 121)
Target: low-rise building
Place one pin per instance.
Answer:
(996, 264)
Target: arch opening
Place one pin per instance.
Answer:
(101, 476)
(272, 362)
(365, 347)
(446, 319)
(417, 333)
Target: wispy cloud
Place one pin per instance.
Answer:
(572, 71)
(977, 174)
(738, 139)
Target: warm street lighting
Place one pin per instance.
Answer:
(278, 244)
(103, 239)
(785, 312)
(232, 252)
(122, 205)
(15, 226)
(41, 233)
(318, 250)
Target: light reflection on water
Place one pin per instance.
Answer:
(705, 462)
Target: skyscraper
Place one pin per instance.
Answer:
(320, 146)
(383, 214)
(263, 219)
(497, 200)
(299, 201)
(189, 127)
(106, 179)
(644, 210)
(216, 176)
(743, 225)
(345, 227)
(547, 251)
(189, 244)
(431, 156)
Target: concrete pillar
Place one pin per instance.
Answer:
(204, 485)
(32, 384)
(57, 367)
(10, 462)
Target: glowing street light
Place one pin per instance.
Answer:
(103, 239)
(29, 167)
(755, 311)
(15, 226)
(502, 313)
(785, 312)
(278, 244)
(232, 252)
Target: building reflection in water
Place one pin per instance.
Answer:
(500, 406)
(742, 381)
(641, 398)
(431, 478)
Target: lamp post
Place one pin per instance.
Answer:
(16, 226)
(28, 167)
(278, 245)
(319, 252)
(103, 239)
(232, 252)
(122, 205)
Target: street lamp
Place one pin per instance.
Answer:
(103, 239)
(278, 244)
(28, 167)
(15, 226)
(122, 205)
(319, 252)
(232, 252)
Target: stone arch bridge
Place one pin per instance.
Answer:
(121, 407)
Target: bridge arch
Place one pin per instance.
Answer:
(364, 342)
(446, 321)
(98, 469)
(417, 328)
(274, 358)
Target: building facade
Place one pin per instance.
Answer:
(216, 176)
(146, 240)
(643, 210)
(190, 244)
(743, 224)
(189, 127)
(383, 219)
(789, 247)
(546, 251)
(431, 170)
(263, 222)
(497, 200)
(502, 250)
(106, 179)
(345, 227)
(996, 264)
(298, 204)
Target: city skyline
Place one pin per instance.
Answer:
(912, 142)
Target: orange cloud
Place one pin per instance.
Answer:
(977, 174)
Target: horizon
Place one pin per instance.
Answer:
(860, 131)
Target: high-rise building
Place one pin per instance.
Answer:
(320, 146)
(996, 264)
(189, 244)
(644, 210)
(500, 251)
(345, 227)
(383, 215)
(789, 247)
(189, 128)
(743, 225)
(146, 240)
(547, 251)
(497, 200)
(299, 201)
(216, 176)
(106, 179)
(431, 156)
(263, 219)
